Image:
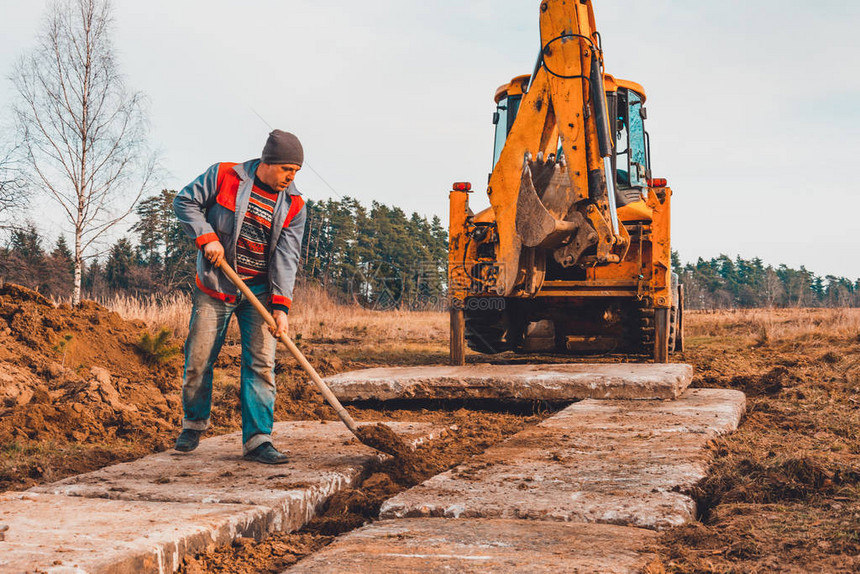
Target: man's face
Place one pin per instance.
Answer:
(278, 176)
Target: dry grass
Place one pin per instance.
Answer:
(315, 316)
(765, 326)
(165, 311)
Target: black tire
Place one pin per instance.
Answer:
(485, 332)
(639, 327)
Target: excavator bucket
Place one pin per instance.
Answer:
(546, 217)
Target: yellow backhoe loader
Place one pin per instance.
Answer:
(573, 255)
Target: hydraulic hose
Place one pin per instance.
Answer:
(598, 96)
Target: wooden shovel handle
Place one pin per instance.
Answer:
(309, 369)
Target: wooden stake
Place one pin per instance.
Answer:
(661, 335)
(458, 337)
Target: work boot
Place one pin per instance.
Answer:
(188, 440)
(267, 454)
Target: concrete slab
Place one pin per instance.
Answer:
(61, 534)
(561, 382)
(438, 545)
(324, 458)
(613, 462)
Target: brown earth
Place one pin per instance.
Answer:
(77, 393)
(473, 432)
(784, 492)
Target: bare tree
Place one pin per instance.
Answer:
(83, 131)
(12, 190)
(772, 288)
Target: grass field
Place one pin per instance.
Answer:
(316, 317)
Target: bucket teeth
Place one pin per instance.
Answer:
(552, 184)
(546, 217)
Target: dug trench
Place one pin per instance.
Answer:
(473, 430)
(81, 388)
(783, 493)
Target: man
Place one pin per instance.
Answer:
(251, 216)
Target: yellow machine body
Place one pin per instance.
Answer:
(573, 255)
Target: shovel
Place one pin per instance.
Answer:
(379, 436)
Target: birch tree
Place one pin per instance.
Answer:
(83, 130)
(12, 190)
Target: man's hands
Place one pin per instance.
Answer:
(283, 324)
(214, 252)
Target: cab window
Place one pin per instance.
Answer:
(636, 127)
(506, 113)
(622, 141)
(630, 147)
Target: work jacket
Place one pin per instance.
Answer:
(213, 206)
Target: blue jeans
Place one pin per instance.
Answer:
(206, 331)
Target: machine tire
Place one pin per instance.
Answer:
(485, 332)
(639, 338)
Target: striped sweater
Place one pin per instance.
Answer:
(252, 247)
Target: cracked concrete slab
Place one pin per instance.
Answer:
(561, 382)
(439, 545)
(64, 535)
(144, 516)
(324, 458)
(615, 462)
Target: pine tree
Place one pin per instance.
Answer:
(120, 264)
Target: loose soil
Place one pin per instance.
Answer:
(77, 393)
(383, 439)
(784, 492)
(472, 433)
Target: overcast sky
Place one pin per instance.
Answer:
(754, 105)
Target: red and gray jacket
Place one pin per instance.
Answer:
(213, 206)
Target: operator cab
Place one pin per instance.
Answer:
(508, 99)
(631, 159)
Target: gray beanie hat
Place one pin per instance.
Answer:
(282, 147)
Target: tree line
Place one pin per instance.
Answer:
(376, 256)
(726, 283)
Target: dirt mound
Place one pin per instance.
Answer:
(769, 383)
(75, 375)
